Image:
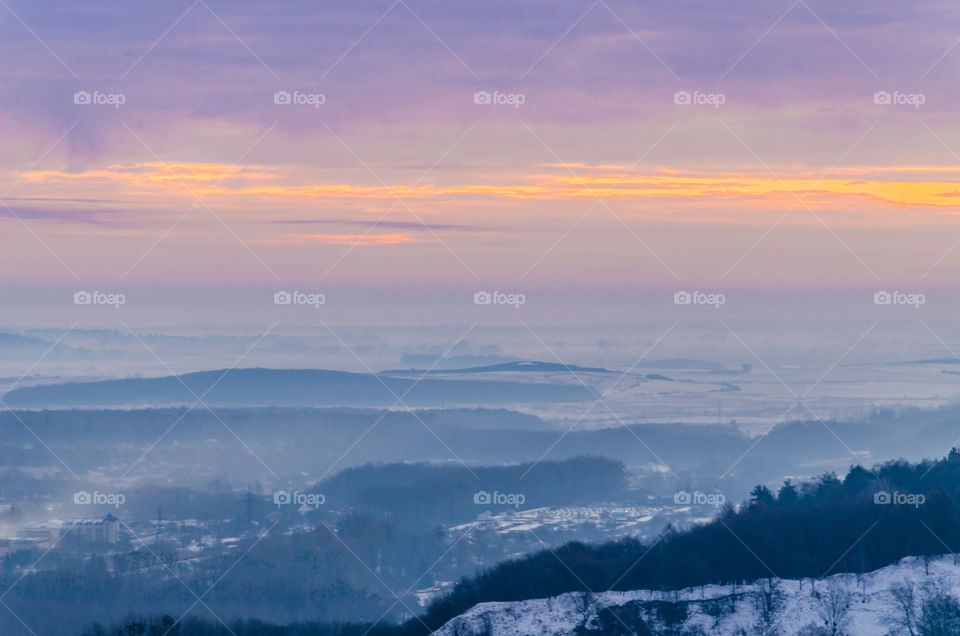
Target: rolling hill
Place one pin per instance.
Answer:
(289, 387)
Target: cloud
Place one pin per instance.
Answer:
(912, 185)
(607, 65)
(85, 216)
(340, 239)
(397, 225)
(399, 122)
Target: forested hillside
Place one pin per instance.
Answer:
(861, 522)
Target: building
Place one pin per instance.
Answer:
(106, 530)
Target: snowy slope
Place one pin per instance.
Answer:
(713, 609)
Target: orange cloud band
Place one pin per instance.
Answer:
(912, 186)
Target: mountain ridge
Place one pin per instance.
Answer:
(289, 387)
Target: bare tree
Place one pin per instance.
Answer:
(834, 608)
(768, 602)
(905, 617)
(939, 611)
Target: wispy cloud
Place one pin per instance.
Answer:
(899, 186)
(340, 239)
(85, 216)
(397, 225)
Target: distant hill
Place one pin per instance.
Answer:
(15, 347)
(419, 494)
(13, 340)
(525, 366)
(288, 387)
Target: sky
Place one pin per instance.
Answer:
(428, 150)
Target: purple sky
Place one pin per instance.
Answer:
(792, 171)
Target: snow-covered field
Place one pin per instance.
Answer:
(615, 520)
(858, 605)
